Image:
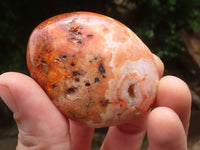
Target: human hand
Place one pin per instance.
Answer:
(42, 126)
(166, 125)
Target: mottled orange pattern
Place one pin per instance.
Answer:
(93, 68)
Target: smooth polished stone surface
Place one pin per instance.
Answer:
(93, 68)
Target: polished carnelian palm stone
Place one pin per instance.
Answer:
(93, 68)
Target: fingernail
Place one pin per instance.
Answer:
(7, 97)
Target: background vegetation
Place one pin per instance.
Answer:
(156, 22)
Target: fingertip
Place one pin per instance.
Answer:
(165, 130)
(20, 90)
(159, 65)
(17, 82)
(164, 118)
(174, 93)
(26, 97)
(9, 77)
(171, 87)
(175, 81)
(8, 86)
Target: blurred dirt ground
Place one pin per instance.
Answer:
(8, 137)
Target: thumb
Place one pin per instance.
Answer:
(40, 124)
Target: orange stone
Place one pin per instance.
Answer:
(93, 68)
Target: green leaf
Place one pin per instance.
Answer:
(172, 2)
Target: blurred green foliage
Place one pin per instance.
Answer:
(156, 22)
(163, 21)
(13, 28)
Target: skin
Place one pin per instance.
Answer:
(42, 126)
